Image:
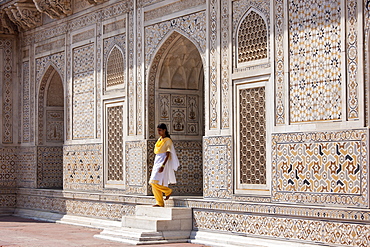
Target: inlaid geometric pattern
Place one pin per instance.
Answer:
(115, 68)
(135, 78)
(252, 38)
(83, 107)
(7, 200)
(83, 167)
(315, 231)
(217, 167)
(316, 78)
(27, 167)
(65, 204)
(193, 25)
(252, 136)
(321, 168)
(136, 167)
(115, 143)
(50, 167)
(8, 167)
(189, 176)
(26, 101)
(353, 52)
(240, 9)
(213, 26)
(280, 81)
(322, 172)
(99, 82)
(226, 62)
(6, 55)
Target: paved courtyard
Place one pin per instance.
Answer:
(21, 232)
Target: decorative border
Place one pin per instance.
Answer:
(360, 200)
(7, 45)
(352, 59)
(66, 205)
(26, 102)
(279, 63)
(78, 23)
(139, 67)
(222, 169)
(225, 56)
(131, 81)
(214, 67)
(98, 80)
(141, 186)
(314, 231)
(329, 214)
(191, 26)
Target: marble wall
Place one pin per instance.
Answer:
(314, 114)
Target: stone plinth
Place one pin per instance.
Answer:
(152, 225)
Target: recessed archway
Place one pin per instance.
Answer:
(50, 130)
(176, 97)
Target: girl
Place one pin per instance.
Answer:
(165, 163)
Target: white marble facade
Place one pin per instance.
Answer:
(267, 103)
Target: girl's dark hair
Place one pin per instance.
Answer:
(164, 127)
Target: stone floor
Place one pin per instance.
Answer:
(21, 232)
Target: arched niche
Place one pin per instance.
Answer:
(252, 39)
(50, 130)
(176, 98)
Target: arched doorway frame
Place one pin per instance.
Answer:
(153, 70)
(190, 149)
(41, 100)
(53, 152)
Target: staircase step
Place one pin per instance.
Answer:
(87, 222)
(141, 237)
(172, 213)
(132, 234)
(151, 223)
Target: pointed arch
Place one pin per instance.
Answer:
(156, 69)
(251, 39)
(50, 136)
(50, 72)
(176, 98)
(115, 70)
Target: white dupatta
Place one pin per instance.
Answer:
(168, 175)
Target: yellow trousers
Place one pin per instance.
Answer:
(158, 191)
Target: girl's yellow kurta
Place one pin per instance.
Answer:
(160, 180)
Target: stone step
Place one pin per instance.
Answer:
(87, 222)
(132, 234)
(152, 225)
(141, 237)
(172, 213)
(156, 224)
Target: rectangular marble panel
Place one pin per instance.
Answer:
(328, 168)
(217, 167)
